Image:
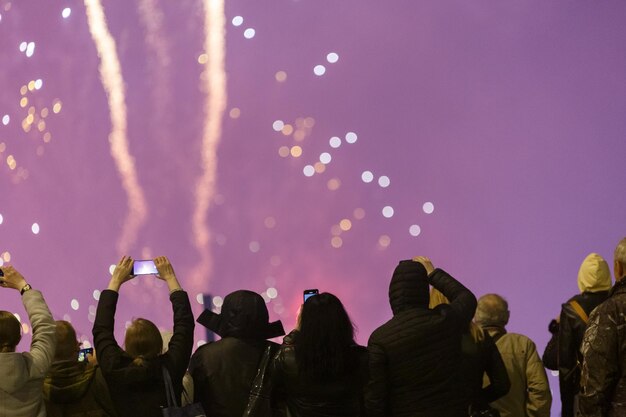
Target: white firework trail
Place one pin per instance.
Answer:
(113, 83)
(151, 17)
(214, 85)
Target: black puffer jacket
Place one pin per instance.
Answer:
(571, 332)
(339, 398)
(414, 358)
(603, 380)
(139, 391)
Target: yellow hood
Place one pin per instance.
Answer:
(594, 274)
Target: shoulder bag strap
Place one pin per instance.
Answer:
(580, 311)
(169, 388)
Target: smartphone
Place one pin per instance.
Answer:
(82, 354)
(310, 293)
(145, 267)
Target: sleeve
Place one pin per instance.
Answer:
(107, 350)
(462, 301)
(567, 360)
(43, 344)
(539, 399)
(495, 369)
(376, 388)
(181, 343)
(600, 366)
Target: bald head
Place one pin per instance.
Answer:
(492, 310)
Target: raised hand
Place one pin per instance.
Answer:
(122, 273)
(12, 278)
(166, 273)
(425, 262)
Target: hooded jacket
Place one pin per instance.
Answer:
(594, 282)
(22, 374)
(74, 388)
(139, 390)
(223, 371)
(603, 380)
(414, 358)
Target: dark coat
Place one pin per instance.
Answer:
(342, 397)
(414, 358)
(571, 332)
(223, 372)
(138, 390)
(480, 358)
(603, 379)
(74, 388)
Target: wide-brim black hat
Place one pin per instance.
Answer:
(244, 315)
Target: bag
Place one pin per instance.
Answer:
(259, 400)
(550, 357)
(172, 409)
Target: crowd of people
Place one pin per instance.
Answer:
(442, 354)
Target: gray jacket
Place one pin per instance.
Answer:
(22, 374)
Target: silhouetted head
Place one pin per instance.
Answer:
(326, 335)
(619, 266)
(244, 315)
(143, 339)
(10, 331)
(408, 287)
(492, 310)
(67, 343)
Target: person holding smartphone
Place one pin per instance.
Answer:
(22, 374)
(75, 387)
(134, 375)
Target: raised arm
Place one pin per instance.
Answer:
(181, 343)
(43, 343)
(107, 349)
(462, 301)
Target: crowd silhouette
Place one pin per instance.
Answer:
(442, 354)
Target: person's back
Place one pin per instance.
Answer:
(72, 387)
(594, 282)
(134, 375)
(223, 371)
(529, 395)
(603, 379)
(22, 374)
(222, 374)
(414, 361)
(320, 371)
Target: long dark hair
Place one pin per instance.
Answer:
(325, 339)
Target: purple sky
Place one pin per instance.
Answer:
(508, 117)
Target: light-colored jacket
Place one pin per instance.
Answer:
(529, 395)
(22, 374)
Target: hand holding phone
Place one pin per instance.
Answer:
(145, 267)
(310, 293)
(82, 354)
